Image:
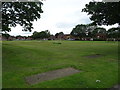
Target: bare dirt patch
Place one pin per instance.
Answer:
(34, 79)
(94, 56)
(116, 87)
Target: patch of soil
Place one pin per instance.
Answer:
(94, 56)
(57, 43)
(34, 79)
(116, 87)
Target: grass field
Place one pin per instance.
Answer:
(25, 58)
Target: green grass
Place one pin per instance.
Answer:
(0, 64)
(25, 58)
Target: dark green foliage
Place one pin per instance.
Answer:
(19, 36)
(113, 33)
(57, 34)
(98, 30)
(82, 30)
(6, 35)
(88, 31)
(41, 35)
(79, 31)
(103, 13)
(23, 13)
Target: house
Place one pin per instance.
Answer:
(21, 38)
(29, 38)
(60, 37)
(101, 36)
(10, 38)
(3, 38)
(52, 37)
(66, 36)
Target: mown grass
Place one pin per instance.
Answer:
(24, 58)
(0, 64)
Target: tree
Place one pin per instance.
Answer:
(113, 33)
(79, 31)
(98, 31)
(23, 13)
(89, 29)
(47, 33)
(60, 33)
(41, 35)
(6, 35)
(35, 35)
(103, 13)
(56, 35)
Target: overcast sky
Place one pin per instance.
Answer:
(58, 16)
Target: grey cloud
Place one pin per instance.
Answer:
(64, 25)
(79, 17)
(27, 33)
(81, 20)
(84, 20)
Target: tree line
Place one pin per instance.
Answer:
(93, 31)
(83, 31)
(101, 13)
(80, 31)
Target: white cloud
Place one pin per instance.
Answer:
(58, 15)
(109, 26)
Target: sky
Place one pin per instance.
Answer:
(58, 16)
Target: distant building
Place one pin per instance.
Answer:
(67, 36)
(101, 36)
(11, 38)
(21, 38)
(52, 37)
(3, 38)
(60, 37)
(29, 38)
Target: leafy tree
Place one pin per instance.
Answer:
(47, 33)
(103, 13)
(35, 35)
(44, 34)
(113, 33)
(41, 35)
(79, 31)
(6, 35)
(18, 36)
(57, 34)
(61, 33)
(23, 13)
(89, 29)
(98, 30)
